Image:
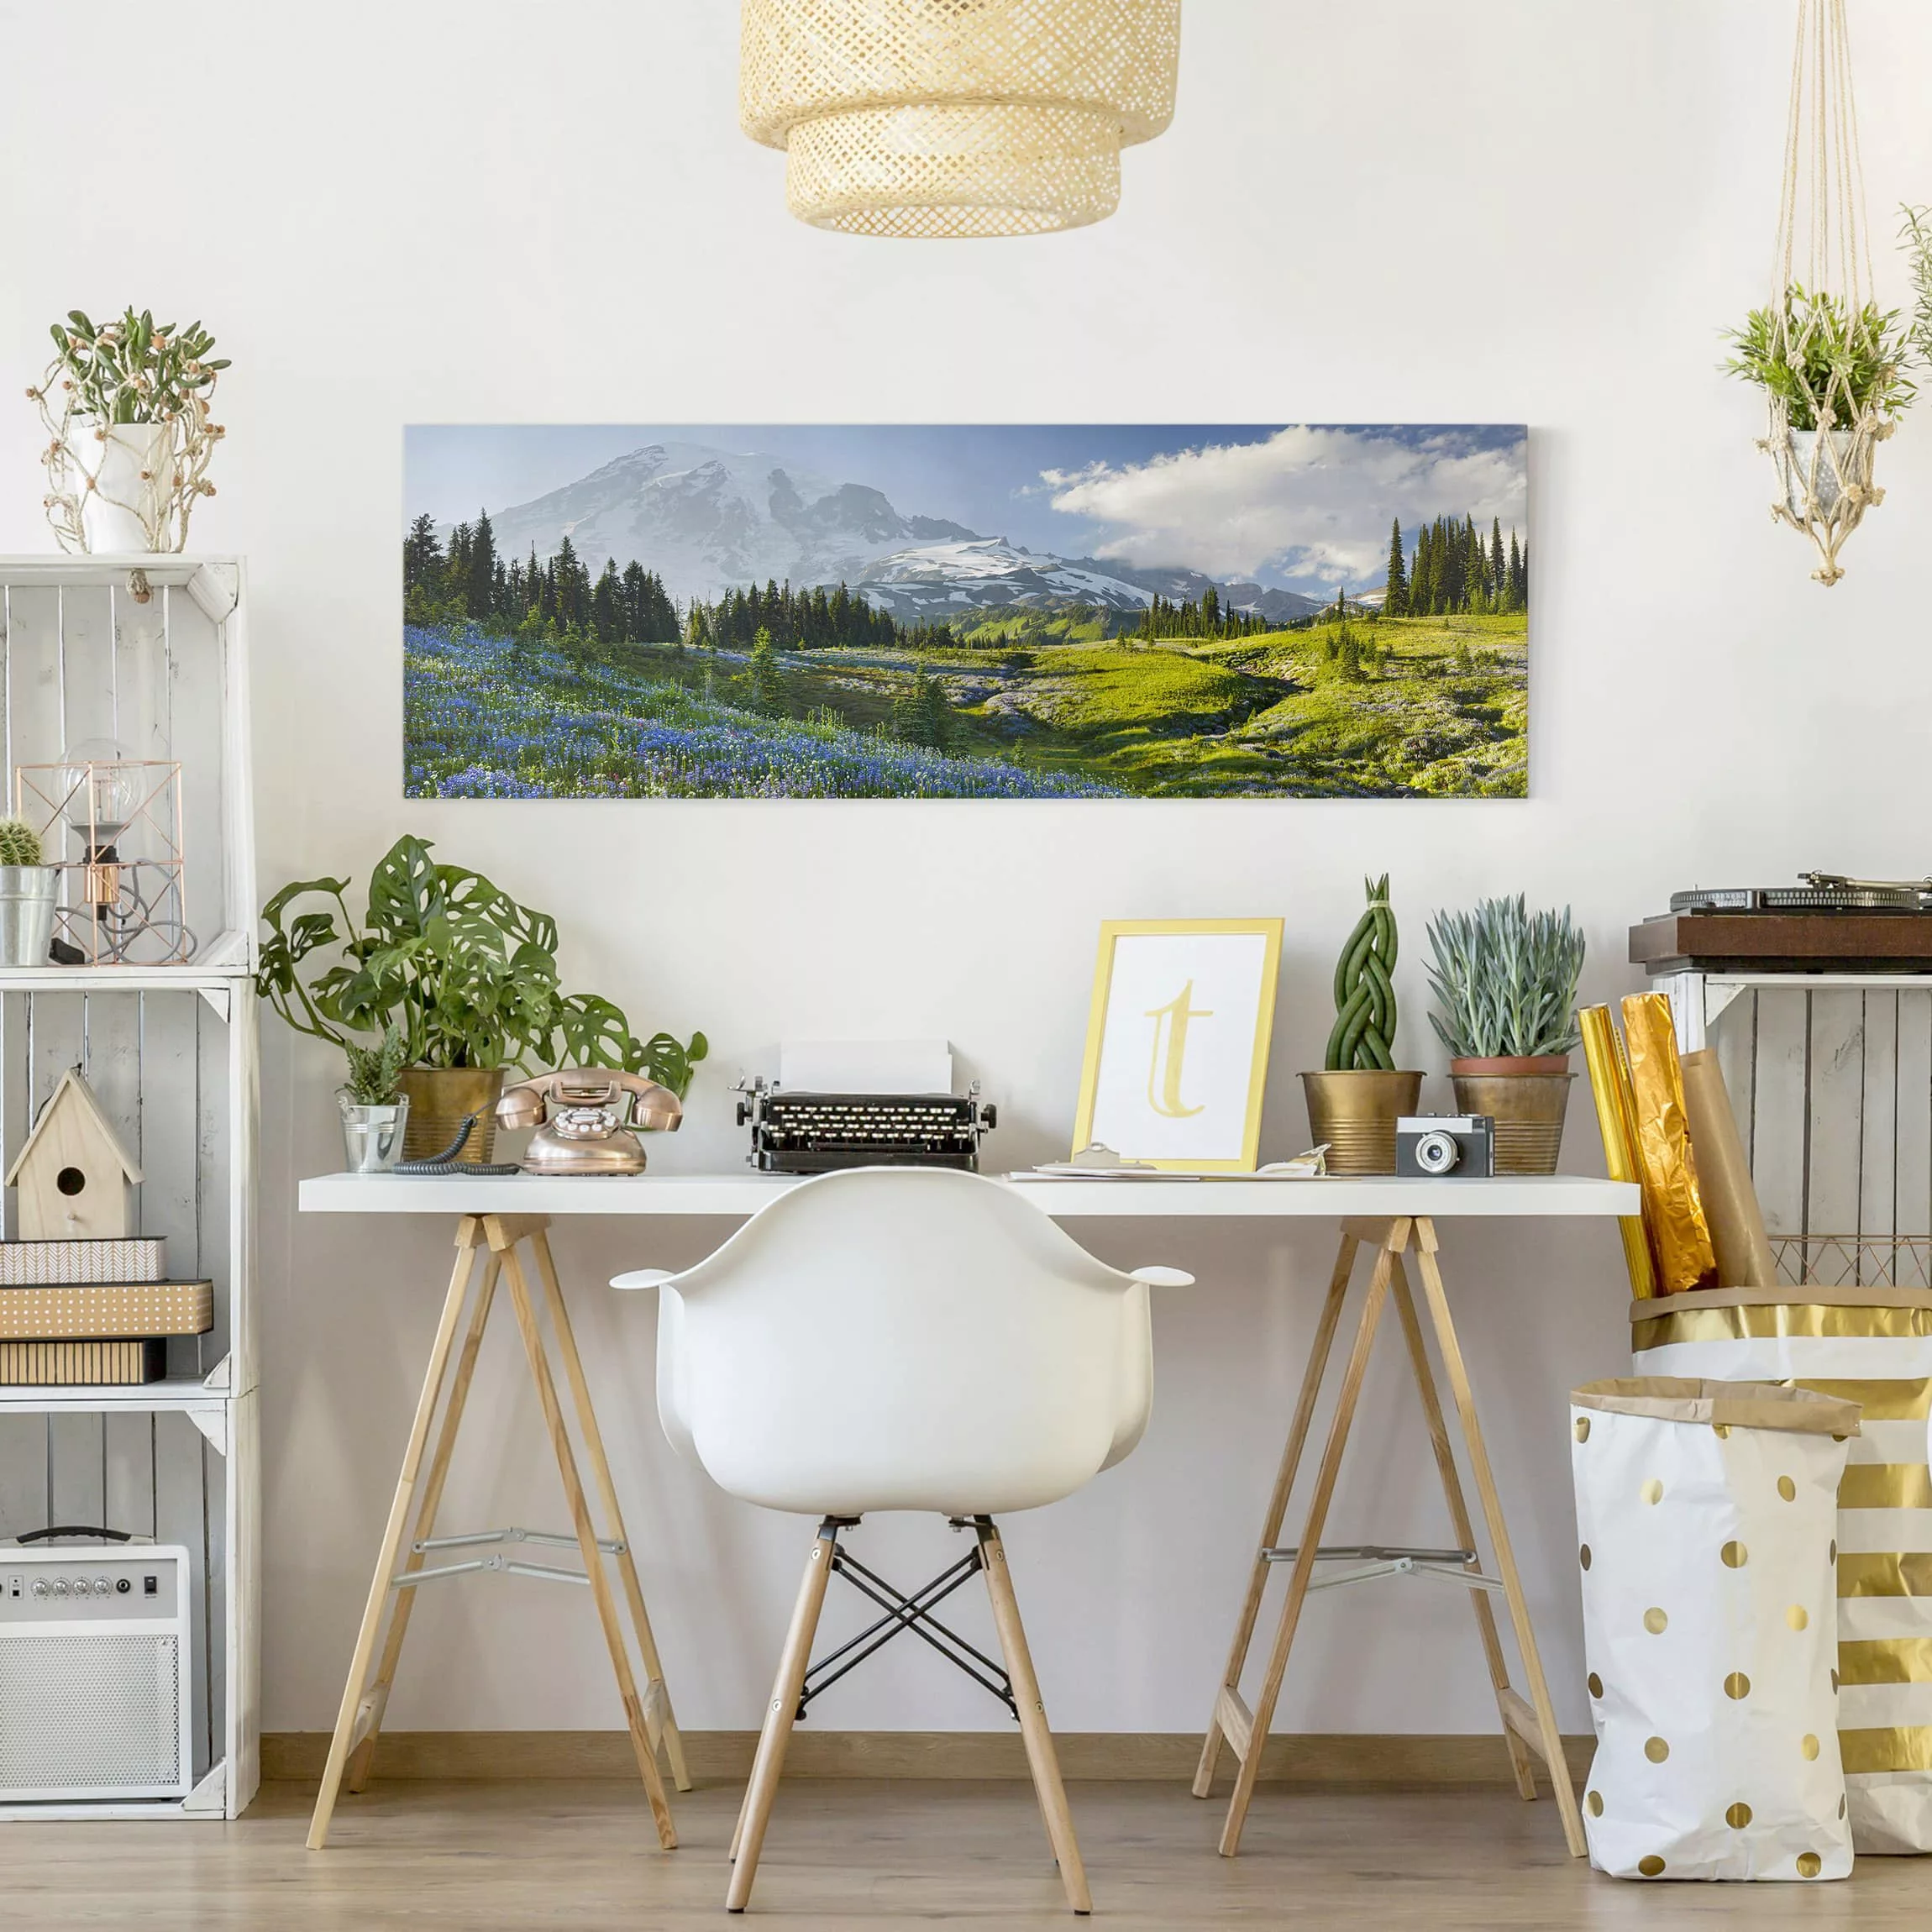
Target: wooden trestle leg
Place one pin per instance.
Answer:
(1528, 1724)
(496, 1239)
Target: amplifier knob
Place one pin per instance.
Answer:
(39, 1586)
(60, 1586)
(100, 1586)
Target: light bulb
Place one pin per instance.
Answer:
(100, 789)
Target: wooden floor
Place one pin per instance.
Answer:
(488, 1857)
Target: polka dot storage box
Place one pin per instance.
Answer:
(1706, 1514)
(1872, 1345)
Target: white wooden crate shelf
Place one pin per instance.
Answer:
(159, 665)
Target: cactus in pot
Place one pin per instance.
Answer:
(1354, 1102)
(1505, 984)
(27, 889)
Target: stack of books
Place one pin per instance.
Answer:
(93, 1313)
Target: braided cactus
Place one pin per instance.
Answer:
(1364, 1035)
(19, 843)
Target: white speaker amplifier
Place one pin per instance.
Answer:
(95, 1669)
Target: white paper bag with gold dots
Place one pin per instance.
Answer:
(1706, 1513)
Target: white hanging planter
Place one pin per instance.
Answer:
(126, 502)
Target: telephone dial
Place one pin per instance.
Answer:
(587, 1120)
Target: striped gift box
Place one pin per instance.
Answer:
(26, 1263)
(1872, 1346)
(82, 1364)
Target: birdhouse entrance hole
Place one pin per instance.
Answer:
(70, 1180)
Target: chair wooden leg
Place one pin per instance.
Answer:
(1311, 1383)
(1536, 1724)
(1041, 1757)
(794, 1660)
(362, 1759)
(469, 1239)
(660, 1720)
(504, 1236)
(1304, 1571)
(1522, 1762)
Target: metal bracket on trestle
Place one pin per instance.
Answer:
(1374, 1560)
(477, 1539)
(543, 1573)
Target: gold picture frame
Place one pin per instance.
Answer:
(1199, 1118)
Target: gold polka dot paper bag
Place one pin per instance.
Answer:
(1705, 1515)
(1872, 1346)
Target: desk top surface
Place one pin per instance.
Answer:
(736, 1196)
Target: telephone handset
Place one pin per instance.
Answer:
(586, 1120)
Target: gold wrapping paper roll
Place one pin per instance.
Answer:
(1744, 1258)
(1609, 1090)
(1673, 1205)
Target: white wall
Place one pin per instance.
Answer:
(1514, 210)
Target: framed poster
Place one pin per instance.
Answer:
(1002, 611)
(1178, 1040)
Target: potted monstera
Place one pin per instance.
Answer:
(1356, 1100)
(1505, 984)
(467, 977)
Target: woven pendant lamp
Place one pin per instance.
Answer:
(939, 118)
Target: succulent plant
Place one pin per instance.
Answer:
(372, 1079)
(19, 843)
(1364, 1034)
(1505, 980)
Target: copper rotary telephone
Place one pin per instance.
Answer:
(586, 1120)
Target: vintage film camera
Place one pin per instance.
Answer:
(1429, 1146)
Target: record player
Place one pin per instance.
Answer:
(1826, 923)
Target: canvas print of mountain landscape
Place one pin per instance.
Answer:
(1288, 612)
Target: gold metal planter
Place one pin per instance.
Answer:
(1355, 1113)
(439, 1097)
(1528, 1108)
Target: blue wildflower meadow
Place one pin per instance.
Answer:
(487, 717)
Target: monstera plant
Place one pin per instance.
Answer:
(467, 974)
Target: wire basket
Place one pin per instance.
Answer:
(1853, 1260)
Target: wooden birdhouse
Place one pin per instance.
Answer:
(76, 1179)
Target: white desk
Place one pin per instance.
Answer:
(1394, 1218)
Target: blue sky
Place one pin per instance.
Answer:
(1305, 506)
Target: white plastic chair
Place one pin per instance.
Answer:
(892, 1338)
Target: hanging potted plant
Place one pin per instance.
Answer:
(469, 978)
(1354, 1102)
(127, 404)
(1829, 360)
(1505, 984)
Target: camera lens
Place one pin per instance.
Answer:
(1436, 1153)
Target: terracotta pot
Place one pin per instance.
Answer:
(1355, 1113)
(439, 1097)
(1527, 1098)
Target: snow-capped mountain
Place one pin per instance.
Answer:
(711, 520)
(937, 581)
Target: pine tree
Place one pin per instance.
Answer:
(1395, 597)
(421, 555)
(480, 579)
(767, 681)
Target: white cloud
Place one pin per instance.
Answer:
(1308, 502)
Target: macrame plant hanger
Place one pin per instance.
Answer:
(1822, 438)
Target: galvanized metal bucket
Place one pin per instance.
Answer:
(372, 1137)
(27, 894)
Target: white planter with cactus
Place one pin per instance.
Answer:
(27, 889)
(1505, 984)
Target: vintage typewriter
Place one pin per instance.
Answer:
(796, 1132)
(1827, 923)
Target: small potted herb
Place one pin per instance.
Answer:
(1354, 1103)
(1505, 984)
(27, 885)
(375, 1108)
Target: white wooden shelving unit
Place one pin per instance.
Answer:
(1830, 1077)
(152, 652)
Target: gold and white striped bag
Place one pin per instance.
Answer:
(1872, 1346)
